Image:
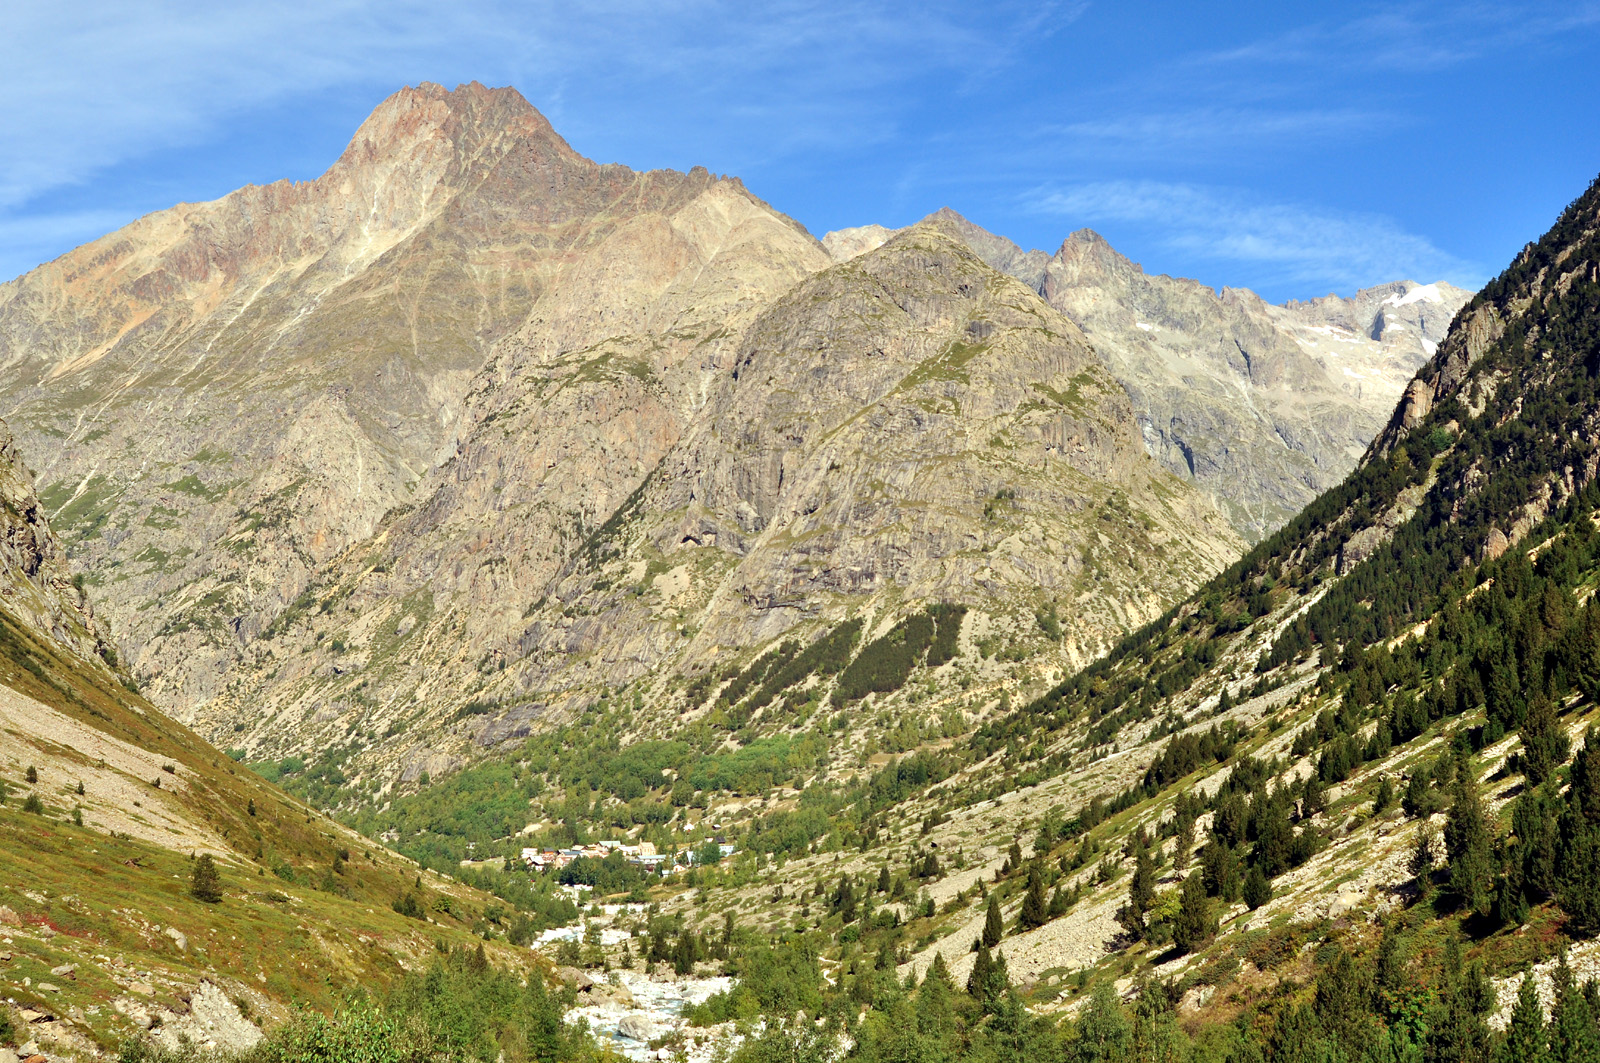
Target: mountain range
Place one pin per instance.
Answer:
(1216, 679)
(471, 429)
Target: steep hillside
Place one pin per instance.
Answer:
(222, 396)
(105, 807)
(1262, 406)
(912, 426)
(1336, 805)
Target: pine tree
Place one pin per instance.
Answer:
(1274, 837)
(993, 929)
(883, 879)
(1313, 799)
(844, 900)
(1577, 864)
(1422, 858)
(1141, 894)
(982, 971)
(1344, 1004)
(1196, 923)
(1525, 1036)
(1459, 1031)
(1470, 845)
(1580, 650)
(1573, 1037)
(204, 882)
(1544, 741)
(1257, 888)
(1184, 844)
(1385, 797)
(1418, 801)
(1035, 907)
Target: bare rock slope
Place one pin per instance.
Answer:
(469, 429)
(910, 426)
(1262, 406)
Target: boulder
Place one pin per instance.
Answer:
(638, 1026)
(573, 977)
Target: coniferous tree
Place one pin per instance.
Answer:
(844, 900)
(1418, 800)
(1384, 800)
(1141, 894)
(1313, 799)
(1257, 888)
(1196, 923)
(1577, 864)
(1459, 1031)
(1035, 906)
(1184, 844)
(204, 882)
(1544, 741)
(981, 981)
(1573, 1037)
(1469, 843)
(1525, 1034)
(1275, 837)
(1344, 1006)
(884, 882)
(1422, 860)
(1580, 650)
(993, 928)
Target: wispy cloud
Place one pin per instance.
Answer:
(1412, 36)
(94, 82)
(1291, 243)
(1195, 134)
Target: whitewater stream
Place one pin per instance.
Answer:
(654, 1011)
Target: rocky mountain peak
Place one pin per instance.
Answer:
(467, 123)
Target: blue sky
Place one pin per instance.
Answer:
(1291, 148)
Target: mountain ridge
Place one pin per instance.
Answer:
(1317, 379)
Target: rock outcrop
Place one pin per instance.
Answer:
(37, 586)
(1262, 406)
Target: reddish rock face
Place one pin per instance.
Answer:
(221, 396)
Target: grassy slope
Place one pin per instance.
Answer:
(103, 901)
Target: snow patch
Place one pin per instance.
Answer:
(1422, 293)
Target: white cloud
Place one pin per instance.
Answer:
(1293, 243)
